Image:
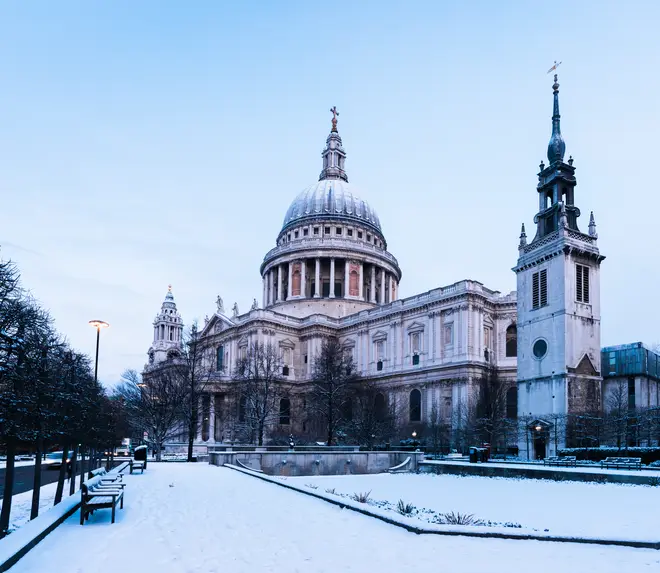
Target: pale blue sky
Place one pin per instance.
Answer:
(148, 143)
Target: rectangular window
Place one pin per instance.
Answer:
(415, 342)
(295, 234)
(349, 232)
(327, 230)
(380, 350)
(540, 289)
(582, 283)
(338, 231)
(359, 234)
(305, 232)
(316, 230)
(220, 362)
(369, 238)
(448, 335)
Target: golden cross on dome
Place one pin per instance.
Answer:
(335, 113)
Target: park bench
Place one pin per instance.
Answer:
(108, 478)
(94, 495)
(137, 465)
(566, 461)
(622, 463)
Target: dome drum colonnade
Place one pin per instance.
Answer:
(331, 245)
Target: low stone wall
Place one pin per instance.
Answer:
(536, 472)
(295, 463)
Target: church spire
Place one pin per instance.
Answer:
(556, 147)
(334, 156)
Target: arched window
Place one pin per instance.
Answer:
(380, 408)
(415, 406)
(242, 407)
(512, 403)
(512, 341)
(285, 412)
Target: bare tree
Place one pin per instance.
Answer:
(258, 375)
(367, 418)
(153, 404)
(617, 415)
(333, 375)
(492, 422)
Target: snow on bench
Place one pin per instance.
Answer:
(559, 461)
(96, 495)
(400, 466)
(622, 463)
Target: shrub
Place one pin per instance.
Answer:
(331, 490)
(311, 486)
(458, 518)
(648, 454)
(405, 508)
(362, 497)
(654, 482)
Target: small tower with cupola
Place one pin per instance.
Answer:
(558, 278)
(168, 331)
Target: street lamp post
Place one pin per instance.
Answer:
(98, 324)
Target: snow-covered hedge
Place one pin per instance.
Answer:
(648, 454)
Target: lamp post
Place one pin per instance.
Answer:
(98, 324)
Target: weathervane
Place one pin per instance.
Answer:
(335, 113)
(554, 67)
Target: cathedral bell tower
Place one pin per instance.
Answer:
(558, 283)
(168, 331)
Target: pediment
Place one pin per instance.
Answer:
(415, 327)
(586, 367)
(217, 323)
(287, 343)
(379, 335)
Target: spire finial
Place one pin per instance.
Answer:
(523, 237)
(592, 226)
(556, 147)
(169, 288)
(335, 113)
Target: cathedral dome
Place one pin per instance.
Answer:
(330, 199)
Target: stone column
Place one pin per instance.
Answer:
(332, 278)
(372, 294)
(211, 417)
(391, 288)
(280, 283)
(303, 279)
(317, 279)
(289, 289)
(347, 267)
(264, 302)
(361, 283)
(382, 286)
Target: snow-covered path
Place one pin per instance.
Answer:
(187, 518)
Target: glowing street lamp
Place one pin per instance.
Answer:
(98, 324)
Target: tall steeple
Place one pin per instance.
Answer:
(556, 187)
(168, 330)
(556, 146)
(334, 156)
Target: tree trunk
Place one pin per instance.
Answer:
(82, 466)
(62, 476)
(9, 488)
(36, 484)
(72, 481)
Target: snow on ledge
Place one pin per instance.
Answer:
(437, 529)
(19, 542)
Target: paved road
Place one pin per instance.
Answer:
(24, 477)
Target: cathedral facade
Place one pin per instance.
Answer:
(331, 273)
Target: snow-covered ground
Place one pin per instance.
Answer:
(563, 508)
(205, 519)
(21, 504)
(3, 464)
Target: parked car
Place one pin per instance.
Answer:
(53, 460)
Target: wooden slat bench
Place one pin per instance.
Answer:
(108, 478)
(567, 461)
(135, 465)
(94, 495)
(622, 463)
